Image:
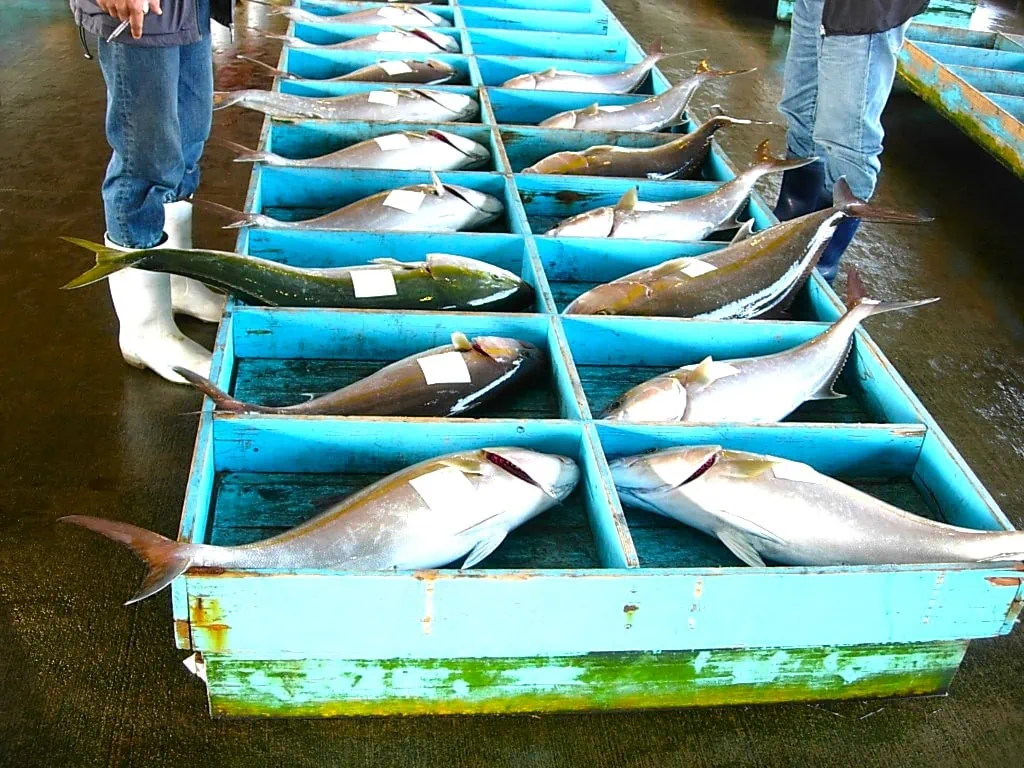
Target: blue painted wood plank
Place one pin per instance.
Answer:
(509, 43)
(533, 20)
(531, 107)
(973, 57)
(933, 33)
(576, 6)
(318, 89)
(329, 34)
(991, 81)
(1012, 104)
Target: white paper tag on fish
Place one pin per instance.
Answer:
(391, 36)
(448, 491)
(395, 67)
(612, 108)
(799, 472)
(387, 98)
(368, 283)
(696, 268)
(408, 200)
(392, 141)
(446, 368)
(391, 13)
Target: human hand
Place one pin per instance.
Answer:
(131, 10)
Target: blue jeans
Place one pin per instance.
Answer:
(834, 91)
(159, 110)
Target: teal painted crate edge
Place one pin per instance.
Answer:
(950, 13)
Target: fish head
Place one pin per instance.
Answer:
(661, 399)
(509, 353)
(609, 299)
(477, 153)
(561, 120)
(598, 222)
(639, 477)
(553, 475)
(496, 287)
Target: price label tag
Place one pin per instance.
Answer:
(395, 67)
(387, 98)
(801, 473)
(696, 268)
(408, 200)
(446, 368)
(369, 283)
(392, 141)
(449, 492)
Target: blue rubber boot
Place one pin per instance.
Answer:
(800, 191)
(828, 264)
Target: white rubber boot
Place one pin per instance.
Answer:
(189, 297)
(148, 336)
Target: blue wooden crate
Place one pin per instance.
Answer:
(313, 64)
(589, 606)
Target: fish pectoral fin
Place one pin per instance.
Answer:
(461, 342)
(732, 222)
(484, 547)
(592, 110)
(827, 393)
(740, 545)
(435, 180)
(466, 466)
(749, 527)
(750, 468)
(745, 231)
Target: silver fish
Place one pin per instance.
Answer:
(417, 105)
(431, 150)
(767, 508)
(755, 389)
(395, 14)
(461, 505)
(389, 40)
(653, 114)
(626, 81)
(693, 218)
(434, 207)
(429, 72)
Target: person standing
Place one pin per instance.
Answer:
(159, 80)
(840, 68)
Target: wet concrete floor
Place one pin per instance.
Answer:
(84, 681)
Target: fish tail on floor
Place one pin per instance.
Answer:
(108, 261)
(270, 67)
(856, 297)
(243, 154)
(221, 399)
(242, 218)
(224, 99)
(703, 68)
(844, 200)
(717, 113)
(765, 162)
(166, 559)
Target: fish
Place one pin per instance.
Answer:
(394, 14)
(625, 81)
(765, 508)
(653, 114)
(757, 275)
(692, 218)
(436, 512)
(439, 282)
(418, 105)
(434, 207)
(761, 389)
(680, 158)
(428, 72)
(431, 150)
(389, 40)
(450, 380)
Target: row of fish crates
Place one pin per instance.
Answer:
(592, 605)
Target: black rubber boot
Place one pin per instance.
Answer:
(828, 264)
(800, 191)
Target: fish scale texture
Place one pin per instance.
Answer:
(86, 682)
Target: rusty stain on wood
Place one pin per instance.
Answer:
(1003, 581)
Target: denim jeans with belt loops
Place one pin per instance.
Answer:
(159, 111)
(834, 91)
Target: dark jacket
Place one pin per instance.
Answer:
(178, 25)
(865, 17)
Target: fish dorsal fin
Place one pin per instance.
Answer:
(703, 374)
(628, 201)
(702, 67)
(435, 181)
(550, 72)
(745, 231)
(762, 154)
(461, 342)
(385, 262)
(592, 110)
(855, 290)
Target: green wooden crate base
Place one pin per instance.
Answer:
(598, 681)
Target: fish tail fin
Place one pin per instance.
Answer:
(844, 200)
(221, 399)
(242, 218)
(245, 155)
(856, 298)
(662, 55)
(224, 99)
(271, 68)
(765, 162)
(108, 261)
(166, 559)
(703, 68)
(718, 114)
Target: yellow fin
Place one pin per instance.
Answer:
(628, 201)
(461, 342)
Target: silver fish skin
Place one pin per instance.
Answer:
(625, 81)
(414, 71)
(431, 150)
(394, 14)
(434, 207)
(417, 105)
(653, 114)
(692, 218)
(422, 40)
(461, 505)
(759, 389)
(765, 508)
